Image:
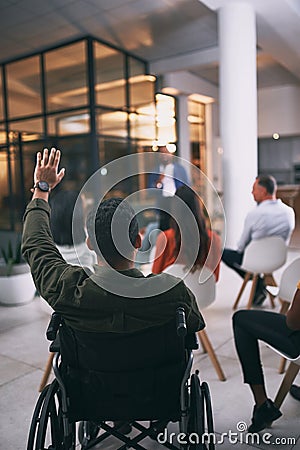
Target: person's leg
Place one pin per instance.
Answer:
(164, 222)
(233, 259)
(249, 326)
(260, 292)
(295, 392)
(164, 208)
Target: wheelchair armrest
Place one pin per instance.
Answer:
(191, 342)
(181, 322)
(53, 326)
(55, 345)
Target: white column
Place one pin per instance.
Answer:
(210, 197)
(238, 112)
(184, 150)
(209, 142)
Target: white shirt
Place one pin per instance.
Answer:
(268, 218)
(169, 187)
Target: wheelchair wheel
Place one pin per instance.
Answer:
(209, 415)
(50, 432)
(87, 431)
(36, 419)
(196, 419)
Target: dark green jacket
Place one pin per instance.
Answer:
(82, 298)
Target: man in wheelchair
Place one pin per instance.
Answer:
(121, 358)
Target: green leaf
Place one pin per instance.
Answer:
(10, 257)
(10, 250)
(18, 257)
(4, 254)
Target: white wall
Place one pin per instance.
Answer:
(279, 111)
(186, 83)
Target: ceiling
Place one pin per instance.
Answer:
(172, 35)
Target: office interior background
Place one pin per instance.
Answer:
(106, 78)
(101, 79)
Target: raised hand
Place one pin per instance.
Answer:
(46, 168)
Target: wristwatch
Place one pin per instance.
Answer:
(42, 186)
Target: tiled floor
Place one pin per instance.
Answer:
(23, 353)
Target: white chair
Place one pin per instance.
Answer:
(262, 256)
(289, 377)
(203, 286)
(288, 284)
(287, 289)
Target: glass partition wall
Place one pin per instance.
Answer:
(93, 101)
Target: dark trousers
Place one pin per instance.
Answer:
(249, 326)
(233, 259)
(164, 206)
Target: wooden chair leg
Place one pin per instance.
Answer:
(282, 365)
(246, 279)
(284, 307)
(252, 292)
(46, 372)
(202, 343)
(211, 353)
(272, 299)
(286, 384)
(270, 281)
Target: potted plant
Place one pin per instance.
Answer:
(16, 283)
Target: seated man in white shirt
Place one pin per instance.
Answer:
(270, 217)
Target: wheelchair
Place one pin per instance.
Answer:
(130, 386)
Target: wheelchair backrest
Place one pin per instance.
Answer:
(113, 376)
(121, 352)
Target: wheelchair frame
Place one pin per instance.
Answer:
(51, 426)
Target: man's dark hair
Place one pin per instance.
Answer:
(268, 182)
(62, 208)
(113, 230)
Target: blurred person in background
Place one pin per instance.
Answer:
(179, 234)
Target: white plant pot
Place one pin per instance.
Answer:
(18, 288)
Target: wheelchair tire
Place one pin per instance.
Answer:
(50, 427)
(196, 416)
(36, 419)
(92, 431)
(209, 415)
